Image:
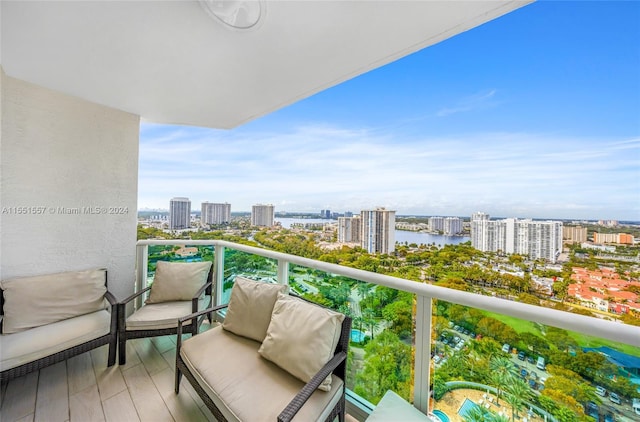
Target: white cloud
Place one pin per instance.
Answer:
(317, 167)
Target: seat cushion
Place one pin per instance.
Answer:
(154, 316)
(26, 346)
(176, 281)
(302, 337)
(40, 300)
(245, 386)
(250, 307)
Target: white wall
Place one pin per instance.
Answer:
(60, 152)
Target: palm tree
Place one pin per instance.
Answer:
(517, 393)
(502, 372)
(368, 317)
(476, 414)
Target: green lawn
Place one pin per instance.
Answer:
(583, 340)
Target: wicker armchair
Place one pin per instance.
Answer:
(161, 317)
(236, 382)
(56, 317)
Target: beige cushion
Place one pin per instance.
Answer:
(26, 346)
(250, 307)
(156, 316)
(175, 281)
(40, 300)
(246, 387)
(302, 337)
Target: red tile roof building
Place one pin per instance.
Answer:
(604, 290)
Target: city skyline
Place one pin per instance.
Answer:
(532, 115)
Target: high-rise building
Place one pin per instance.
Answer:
(536, 239)
(436, 224)
(378, 229)
(446, 225)
(349, 229)
(179, 213)
(214, 213)
(452, 225)
(262, 215)
(576, 234)
(620, 238)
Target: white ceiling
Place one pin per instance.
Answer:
(170, 62)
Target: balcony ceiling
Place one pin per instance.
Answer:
(170, 62)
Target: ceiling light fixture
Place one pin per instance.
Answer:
(239, 14)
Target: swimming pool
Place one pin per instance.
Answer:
(466, 407)
(357, 336)
(441, 415)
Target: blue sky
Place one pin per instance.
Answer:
(533, 115)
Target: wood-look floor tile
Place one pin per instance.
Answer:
(120, 408)
(52, 403)
(20, 398)
(182, 406)
(110, 381)
(80, 373)
(146, 398)
(149, 355)
(86, 406)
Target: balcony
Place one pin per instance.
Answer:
(84, 389)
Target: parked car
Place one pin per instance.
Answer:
(521, 355)
(609, 417)
(506, 348)
(529, 359)
(614, 398)
(533, 375)
(532, 384)
(593, 410)
(524, 373)
(601, 391)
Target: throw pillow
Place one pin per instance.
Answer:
(34, 301)
(175, 281)
(302, 338)
(250, 307)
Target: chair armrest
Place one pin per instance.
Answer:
(201, 290)
(192, 316)
(135, 295)
(303, 395)
(111, 298)
(199, 313)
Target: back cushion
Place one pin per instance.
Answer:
(177, 281)
(34, 301)
(250, 308)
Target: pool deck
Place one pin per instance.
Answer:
(450, 403)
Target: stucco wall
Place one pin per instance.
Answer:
(68, 185)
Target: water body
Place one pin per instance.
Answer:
(401, 235)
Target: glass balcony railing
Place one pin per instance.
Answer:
(455, 355)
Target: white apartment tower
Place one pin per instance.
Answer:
(179, 213)
(349, 229)
(536, 239)
(446, 225)
(378, 229)
(262, 215)
(212, 213)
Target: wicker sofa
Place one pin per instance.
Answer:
(49, 318)
(275, 357)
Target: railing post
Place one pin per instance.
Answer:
(283, 272)
(142, 269)
(218, 272)
(422, 353)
